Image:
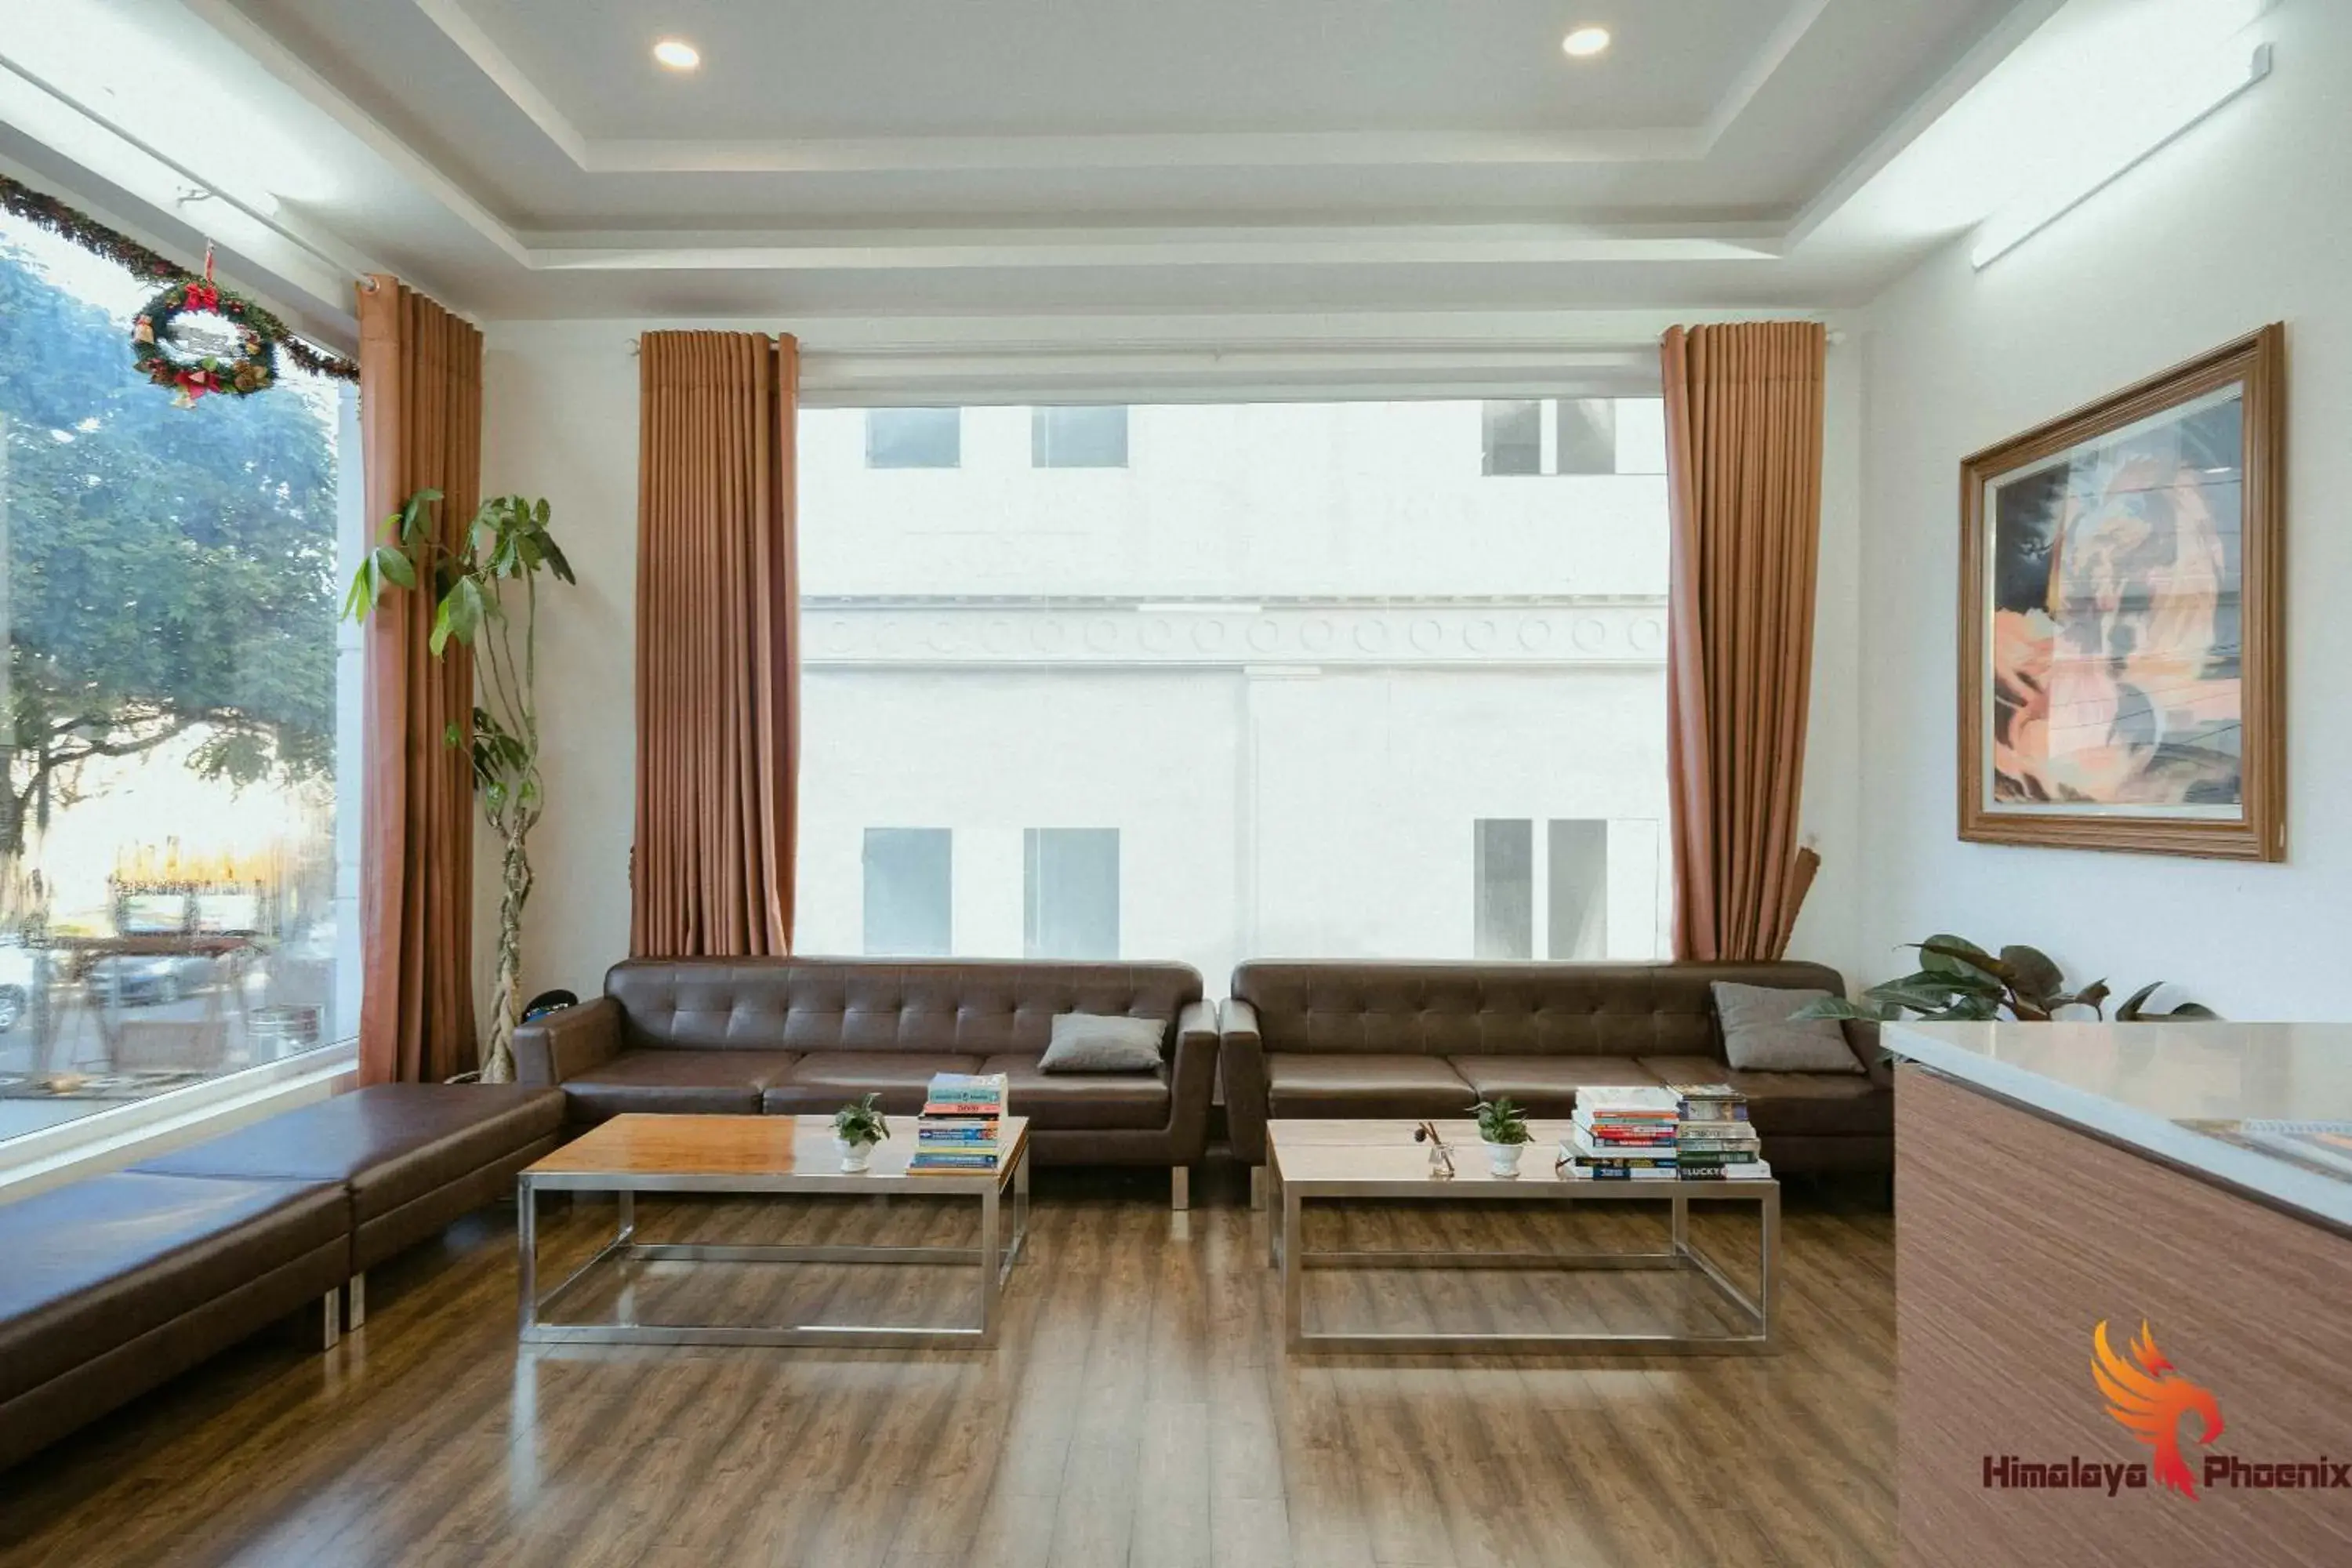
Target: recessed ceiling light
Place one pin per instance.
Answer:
(1584, 43)
(678, 54)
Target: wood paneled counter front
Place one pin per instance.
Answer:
(2050, 1178)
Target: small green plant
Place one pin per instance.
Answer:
(1959, 981)
(861, 1122)
(1500, 1121)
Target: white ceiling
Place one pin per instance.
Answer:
(526, 158)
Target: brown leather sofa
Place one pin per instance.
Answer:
(1365, 1040)
(111, 1285)
(803, 1036)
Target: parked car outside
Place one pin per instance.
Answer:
(18, 975)
(144, 979)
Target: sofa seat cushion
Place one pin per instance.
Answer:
(1088, 1101)
(391, 1142)
(95, 1264)
(1810, 1103)
(1546, 1086)
(665, 1079)
(1359, 1084)
(821, 1082)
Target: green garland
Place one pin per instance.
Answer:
(80, 229)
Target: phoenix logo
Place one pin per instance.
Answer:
(2147, 1394)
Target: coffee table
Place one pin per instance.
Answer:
(764, 1154)
(1360, 1161)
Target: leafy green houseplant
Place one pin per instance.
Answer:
(1503, 1127)
(486, 597)
(1959, 981)
(856, 1127)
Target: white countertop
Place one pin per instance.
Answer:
(2138, 1083)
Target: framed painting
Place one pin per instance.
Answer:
(2123, 620)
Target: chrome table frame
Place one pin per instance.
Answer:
(1287, 1253)
(1005, 1187)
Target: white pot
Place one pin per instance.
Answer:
(854, 1157)
(1503, 1159)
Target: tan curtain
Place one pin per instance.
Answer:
(718, 663)
(1744, 488)
(420, 428)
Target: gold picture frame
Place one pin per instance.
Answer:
(2122, 621)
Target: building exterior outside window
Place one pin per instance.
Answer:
(1247, 696)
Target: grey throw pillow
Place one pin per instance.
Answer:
(1758, 1035)
(1092, 1042)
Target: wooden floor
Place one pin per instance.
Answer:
(1140, 1410)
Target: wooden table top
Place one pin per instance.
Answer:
(750, 1146)
(1382, 1153)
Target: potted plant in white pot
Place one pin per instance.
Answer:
(1503, 1128)
(856, 1127)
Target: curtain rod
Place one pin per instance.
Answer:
(203, 187)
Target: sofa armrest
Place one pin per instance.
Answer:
(1192, 1081)
(1242, 1057)
(1862, 1038)
(566, 1044)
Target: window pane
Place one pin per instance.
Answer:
(908, 892)
(1576, 879)
(1286, 659)
(914, 438)
(1078, 438)
(1588, 435)
(1513, 442)
(178, 709)
(1503, 884)
(1072, 896)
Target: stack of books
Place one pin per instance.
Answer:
(1713, 1142)
(1623, 1134)
(956, 1133)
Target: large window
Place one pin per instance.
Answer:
(176, 879)
(1304, 683)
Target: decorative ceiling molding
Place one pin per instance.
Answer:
(1201, 151)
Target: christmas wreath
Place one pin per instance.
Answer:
(161, 356)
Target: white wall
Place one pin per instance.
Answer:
(2245, 220)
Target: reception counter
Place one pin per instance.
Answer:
(2157, 1179)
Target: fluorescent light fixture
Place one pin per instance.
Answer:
(2069, 182)
(1198, 607)
(678, 54)
(1584, 43)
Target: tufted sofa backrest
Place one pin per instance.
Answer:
(969, 1006)
(1502, 1009)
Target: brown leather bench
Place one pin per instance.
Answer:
(803, 1036)
(1413, 1040)
(412, 1157)
(110, 1285)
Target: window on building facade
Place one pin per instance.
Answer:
(909, 892)
(914, 438)
(1246, 702)
(1514, 436)
(178, 834)
(1574, 436)
(1070, 898)
(1079, 437)
(1502, 883)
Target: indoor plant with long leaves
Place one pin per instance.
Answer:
(486, 597)
(1959, 981)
